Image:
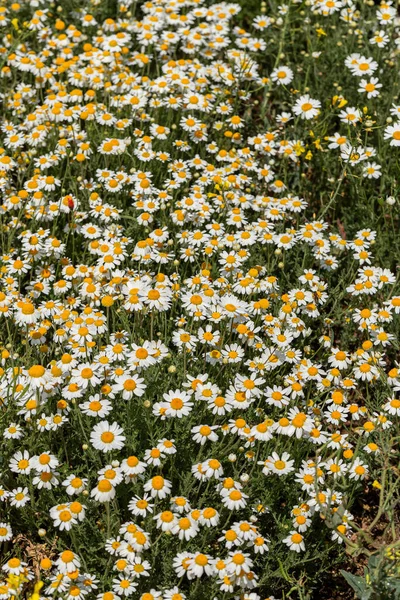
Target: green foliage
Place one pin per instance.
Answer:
(211, 182)
(381, 579)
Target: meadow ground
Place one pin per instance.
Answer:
(199, 300)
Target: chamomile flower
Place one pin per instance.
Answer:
(103, 492)
(295, 541)
(74, 485)
(6, 532)
(282, 75)
(177, 404)
(280, 465)
(370, 87)
(158, 486)
(306, 107)
(107, 437)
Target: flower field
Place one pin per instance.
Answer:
(199, 300)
